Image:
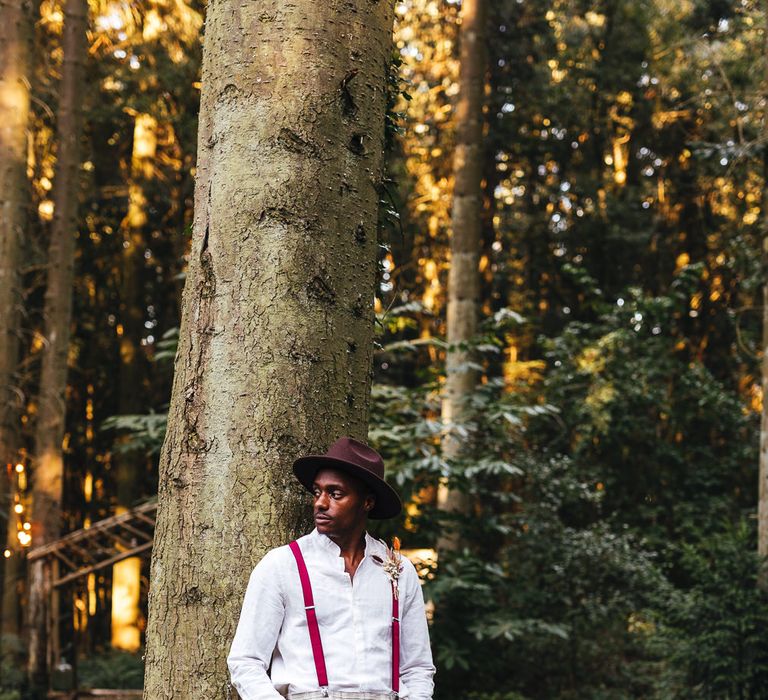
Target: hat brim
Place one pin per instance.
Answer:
(388, 503)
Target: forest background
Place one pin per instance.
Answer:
(606, 540)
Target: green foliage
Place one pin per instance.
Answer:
(12, 673)
(542, 599)
(644, 416)
(112, 669)
(167, 346)
(548, 613)
(145, 432)
(713, 632)
(569, 582)
(495, 696)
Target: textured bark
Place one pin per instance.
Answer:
(466, 219)
(15, 35)
(275, 352)
(762, 499)
(48, 472)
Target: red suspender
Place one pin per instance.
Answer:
(314, 628)
(395, 641)
(309, 607)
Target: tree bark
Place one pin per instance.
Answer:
(762, 503)
(48, 471)
(275, 350)
(466, 242)
(14, 574)
(129, 466)
(762, 507)
(15, 36)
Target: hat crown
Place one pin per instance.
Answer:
(351, 450)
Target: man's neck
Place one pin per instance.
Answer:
(352, 546)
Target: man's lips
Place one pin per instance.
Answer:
(323, 518)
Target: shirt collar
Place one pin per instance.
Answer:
(327, 544)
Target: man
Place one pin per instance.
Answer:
(335, 614)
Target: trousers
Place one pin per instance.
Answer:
(342, 695)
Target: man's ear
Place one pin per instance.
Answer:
(370, 502)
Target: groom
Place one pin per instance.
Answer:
(335, 614)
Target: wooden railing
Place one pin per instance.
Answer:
(102, 544)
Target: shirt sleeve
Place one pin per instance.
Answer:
(257, 630)
(416, 667)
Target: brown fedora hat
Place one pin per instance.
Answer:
(355, 458)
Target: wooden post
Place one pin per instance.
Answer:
(55, 637)
(47, 587)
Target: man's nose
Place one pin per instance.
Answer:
(321, 501)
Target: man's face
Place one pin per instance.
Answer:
(341, 502)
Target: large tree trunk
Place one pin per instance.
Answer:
(466, 242)
(277, 322)
(762, 503)
(48, 471)
(15, 37)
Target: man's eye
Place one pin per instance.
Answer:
(337, 494)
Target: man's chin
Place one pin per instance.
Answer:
(323, 526)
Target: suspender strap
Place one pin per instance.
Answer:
(309, 607)
(395, 641)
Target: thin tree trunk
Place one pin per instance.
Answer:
(762, 505)
(129, 467)
(14, 574)
(15, 36)
(276, 335)
(48, 471)
(466, 242)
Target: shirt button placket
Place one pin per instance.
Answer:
(353, 607)
(358, 616)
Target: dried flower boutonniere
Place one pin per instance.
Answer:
(393, 564)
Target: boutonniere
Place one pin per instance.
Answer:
(393, 564)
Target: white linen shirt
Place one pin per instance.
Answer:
(355, 619)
